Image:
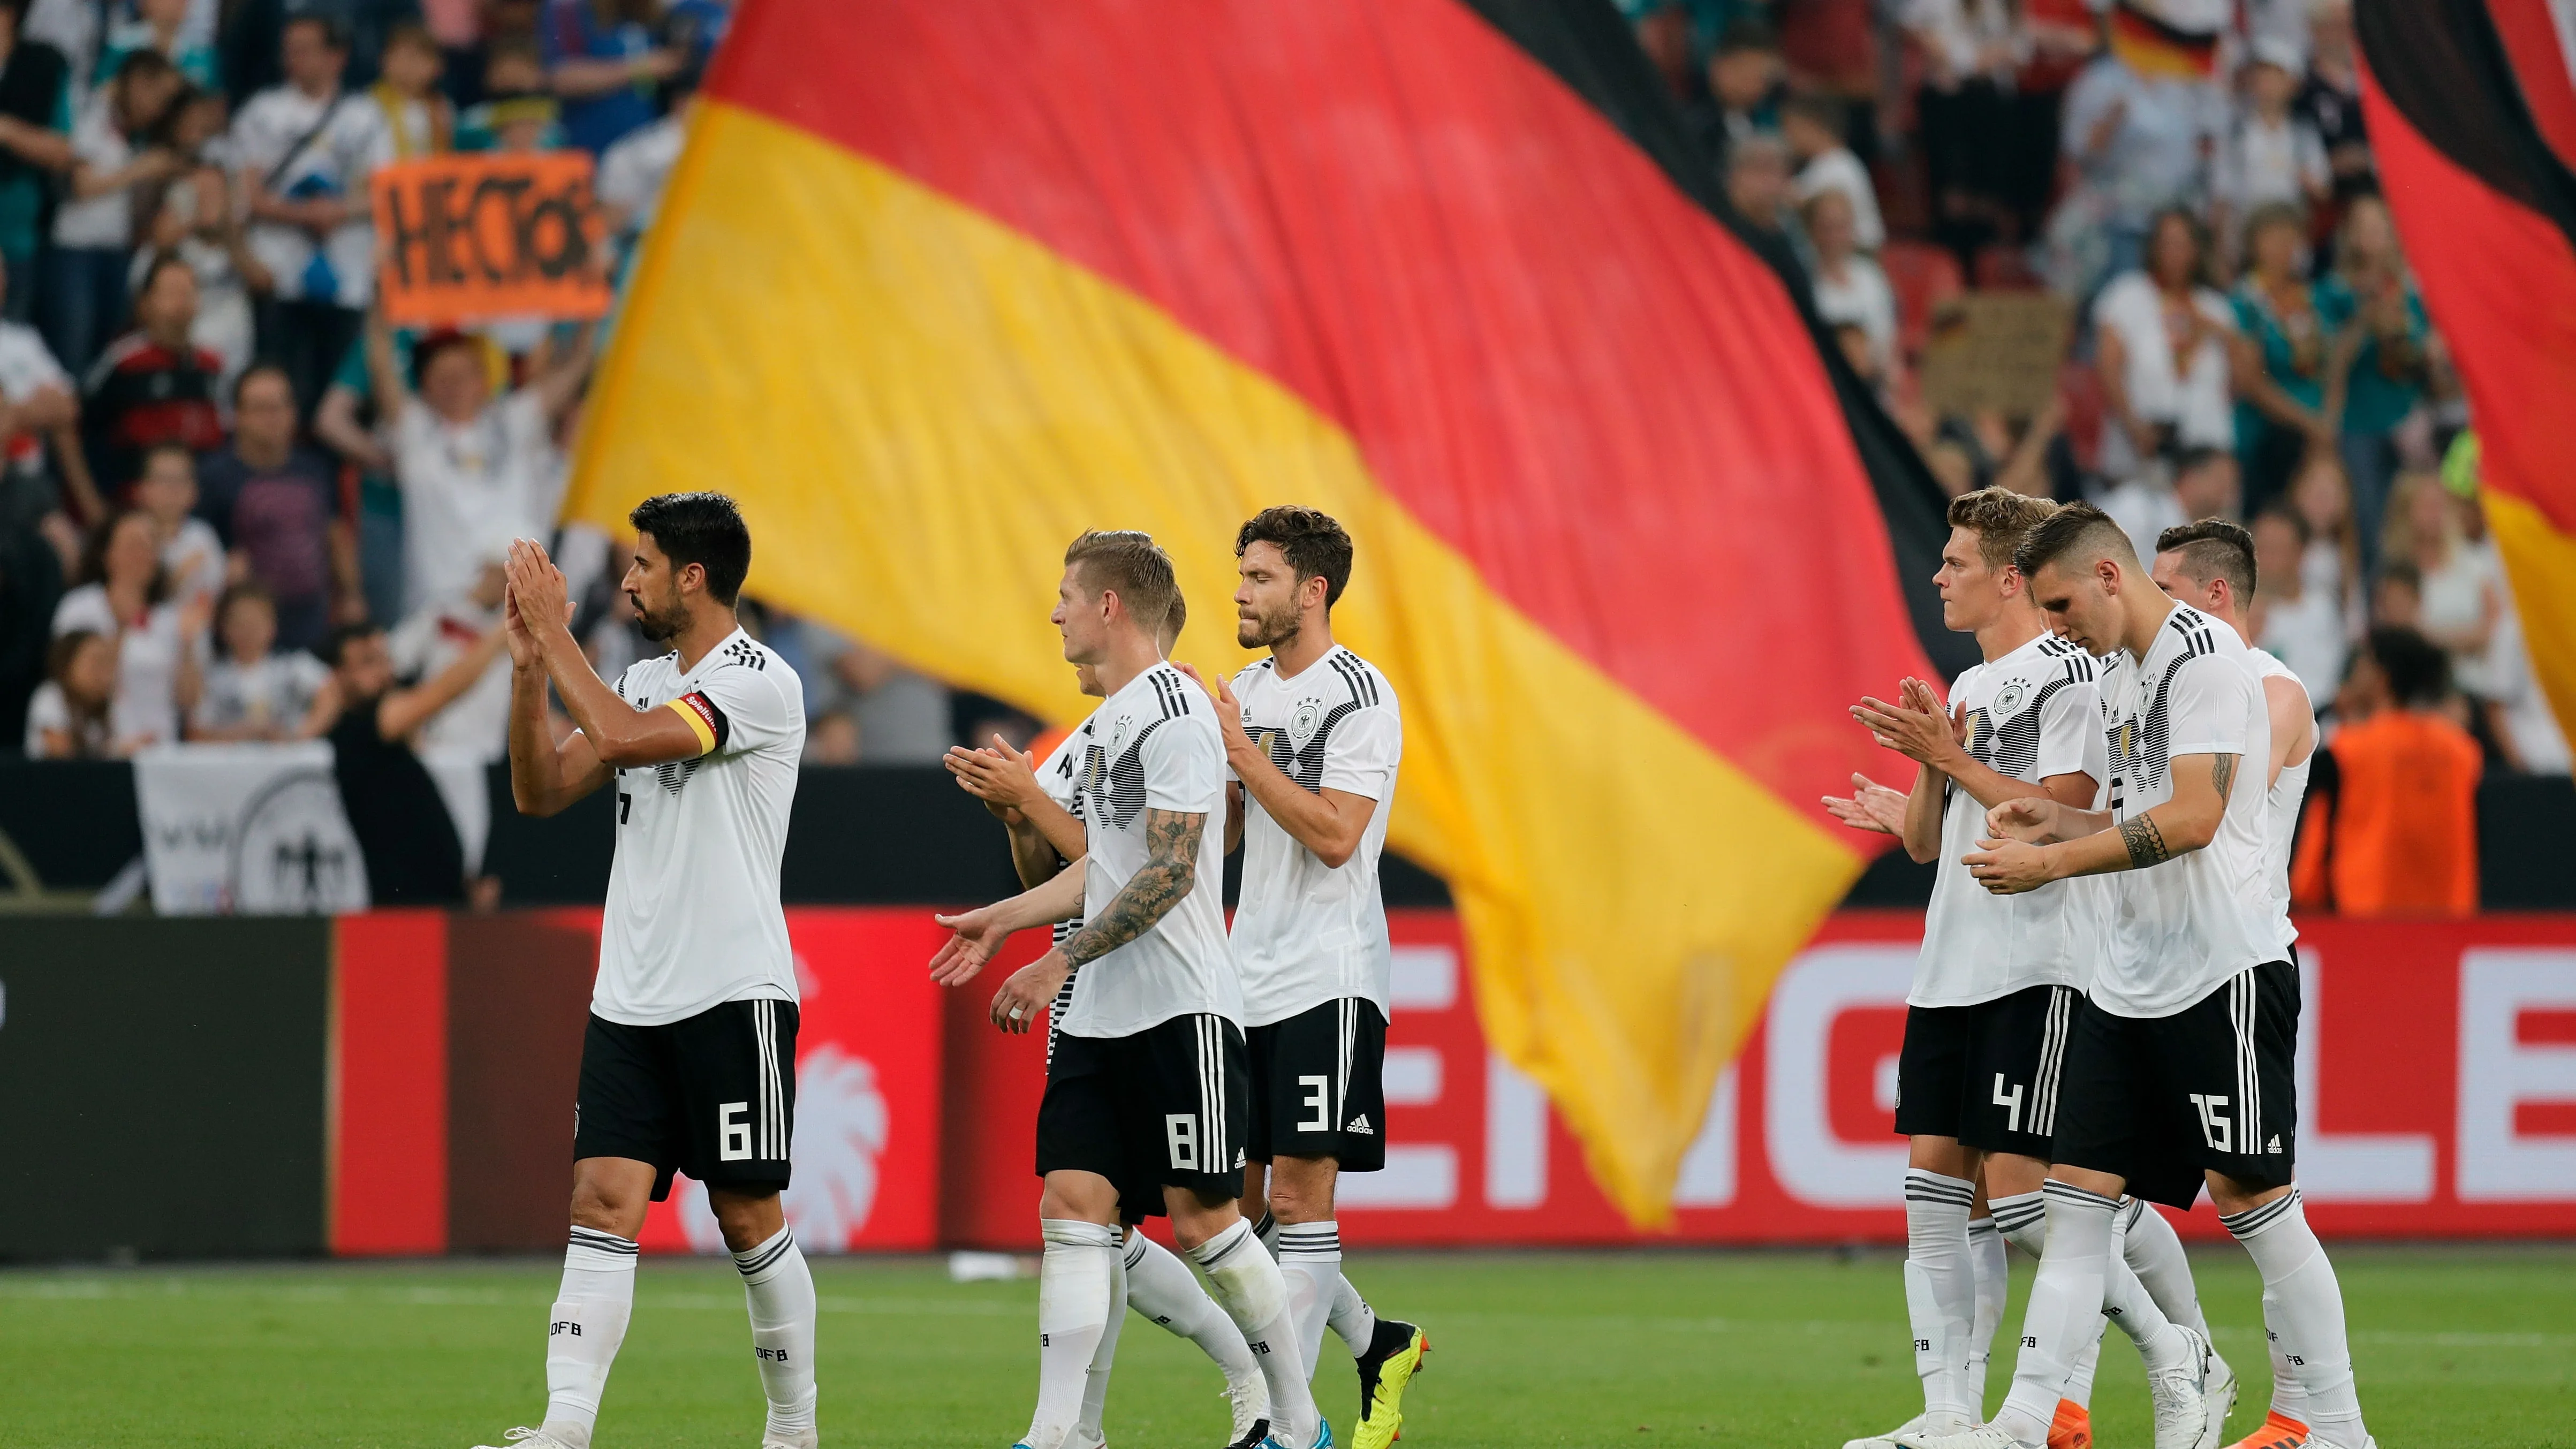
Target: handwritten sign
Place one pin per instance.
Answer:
(1996, 351)
(470, 238)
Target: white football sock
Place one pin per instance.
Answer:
(1267, 1230)
(1076, 1279)
(2126, 1302)
(2154, 1252)
(1353, 1321)
(1940, 1289)
(1310, 1262)
(2023, 1220)
(1163, 1288)
(2301, 1284)
(2288, 1399)
(1248, 1285)
(2065, 1309)
(780, 1290)
(590, 1314)
(1095, 1379)
(1994, 1285)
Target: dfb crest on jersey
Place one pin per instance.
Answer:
(2010, 700)
(1117, 738)
(1301, 725)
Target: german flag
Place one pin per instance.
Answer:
(2473, 122)
(2154, 46)
(938, 284)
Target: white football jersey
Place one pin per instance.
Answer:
(2179, 930)
(1152, 746)
(1306, 933)
(2030, 715)
(2281, 805)
(693, 918)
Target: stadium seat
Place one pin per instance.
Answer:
(1923, 276)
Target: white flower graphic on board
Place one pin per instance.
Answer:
(841, 1125)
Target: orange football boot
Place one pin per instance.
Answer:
(2278, 1431)
(2072, 1428)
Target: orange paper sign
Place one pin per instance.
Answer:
(473, 237)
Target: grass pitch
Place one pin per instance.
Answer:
(2459, 1348)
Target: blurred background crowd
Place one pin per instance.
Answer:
(235, 505)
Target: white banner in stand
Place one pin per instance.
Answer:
(247, 829)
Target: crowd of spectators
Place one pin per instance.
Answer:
(2246, 339)
(222, 467)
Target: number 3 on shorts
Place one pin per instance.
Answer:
(733, 1132)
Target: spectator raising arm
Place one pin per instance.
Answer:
(42, 147)
(403, 711)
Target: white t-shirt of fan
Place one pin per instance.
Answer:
(1153, 745)
(2030, 715)
(2179, 930)
(693, 918)
(1306, 933)
(2281, 804)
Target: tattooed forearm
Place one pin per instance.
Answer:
(2146, 843)
(1171, 866)
(2222, 773)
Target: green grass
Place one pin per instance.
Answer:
(2456, 1348)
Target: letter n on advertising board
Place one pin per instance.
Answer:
(470, 238)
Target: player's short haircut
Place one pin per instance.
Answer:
(1174, 622)
(2417, 671)
(1312, 542)
(2214, 548)
(1131, 565)
(2000, 518)
(2074, 530)
(705, 529)
(335, 645)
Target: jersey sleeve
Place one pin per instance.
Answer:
(737, 709)
(1057, 771)
(1184, 765)
(2207, 706)
(1361, 757)
(2070, 729)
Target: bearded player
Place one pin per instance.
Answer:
(689, 1062)
(1312, 739)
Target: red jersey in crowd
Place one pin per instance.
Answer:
(142, 393)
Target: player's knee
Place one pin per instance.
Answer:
(747, 1220)
(601, 1205)
(2231, 1197)
(1301, 1189)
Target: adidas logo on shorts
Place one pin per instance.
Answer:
(1360, 1125)
(2275, 1147)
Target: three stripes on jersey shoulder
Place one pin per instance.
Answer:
(1360, 675)
(2079, 665)
(1172, 689)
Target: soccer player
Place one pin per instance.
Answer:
(2210, 566)
(1313, 738)
(1146, 1103)
(1034, 802)
(2179, 1066)
(689, 1062)
(1985, 1023)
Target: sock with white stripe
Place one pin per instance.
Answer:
(1994, 1284)
(2022, 1218)
(2065, 1308)
(589, 1322)
(780, 1291)
(1249, 1287)
(1310, 1262)
(1351, 1318)
(1076, 1279)
(2288, 1400)
(2304, 1304)
(1940, 1290)
(1163, 1288)
(1353, 1321)
(1095, 1379)
(2154, 1252)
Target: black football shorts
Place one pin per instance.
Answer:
(1165, 1107)
(713, 1095)
(1986, 1074)
(1318, 1088)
